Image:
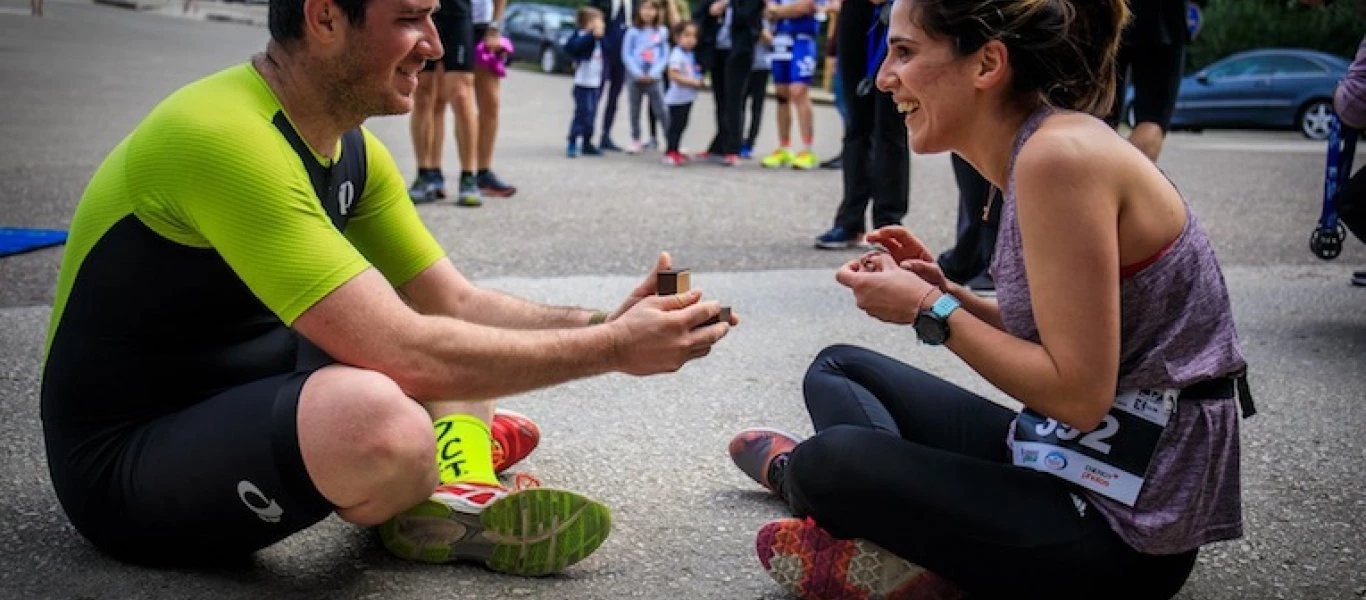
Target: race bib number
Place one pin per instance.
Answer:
(1112, 459)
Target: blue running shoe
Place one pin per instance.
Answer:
(839, 239)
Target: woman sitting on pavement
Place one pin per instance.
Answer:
(1112, 326)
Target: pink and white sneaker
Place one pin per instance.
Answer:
(813, 565)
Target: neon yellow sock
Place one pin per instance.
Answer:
(464, 450)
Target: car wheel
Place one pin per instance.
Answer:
(1315, 120)
(548, 60)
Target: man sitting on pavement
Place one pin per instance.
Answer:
(253, 329)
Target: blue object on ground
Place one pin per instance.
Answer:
(17, 240)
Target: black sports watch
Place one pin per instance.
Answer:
(932, 325)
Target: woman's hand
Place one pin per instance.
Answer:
(900, 243)
(929, 271)
(883, 290)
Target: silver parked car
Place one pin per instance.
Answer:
(1274, 88)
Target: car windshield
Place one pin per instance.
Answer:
(556, 20)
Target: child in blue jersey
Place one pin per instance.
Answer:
(793, 62)
(686, 76)
(585, 47)
(644, 53)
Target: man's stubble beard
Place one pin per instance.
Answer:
(352, 96)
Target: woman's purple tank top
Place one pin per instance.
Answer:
(1176, 329)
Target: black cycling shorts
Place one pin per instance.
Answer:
(456, 29)
(1155, 72)
(210, 483)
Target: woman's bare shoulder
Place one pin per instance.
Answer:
(1074, 142)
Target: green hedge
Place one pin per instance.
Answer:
(1235, 25)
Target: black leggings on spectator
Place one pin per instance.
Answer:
(678, 121)
(756, 90)
(920, 467)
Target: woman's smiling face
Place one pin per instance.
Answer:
(932, 86)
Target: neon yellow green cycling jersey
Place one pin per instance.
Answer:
(201, 238)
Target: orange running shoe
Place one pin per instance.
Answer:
(762, 453)
(514, 437)
(811, 564)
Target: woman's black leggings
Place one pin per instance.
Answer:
(920, 467)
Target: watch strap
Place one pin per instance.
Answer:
(944, 306)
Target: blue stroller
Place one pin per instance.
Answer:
(1326, 241)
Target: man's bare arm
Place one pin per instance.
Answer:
(442, 290)
(364, 323)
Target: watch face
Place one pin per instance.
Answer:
(930, 329)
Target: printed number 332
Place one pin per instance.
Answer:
(1094, 440)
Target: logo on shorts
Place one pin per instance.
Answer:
(264, 507)
(1055, 461)
(346, 194)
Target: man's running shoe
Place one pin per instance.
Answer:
(805, 160)
(673, 159)
(781, 157)
(731, 160)
(811, 564)
(469, 192)
(535, 531)
(491, 185)
(761, 453)
(514, 437)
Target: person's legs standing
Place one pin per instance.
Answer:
(488, 96)
(458, 88)
(678, 122)
(634, 92)
(720, 67)
(782, 155)
(755, 93)
(613, 79)
(1156, 73)
(426, 133)
(970, 256)
(738, 65)
(803, 73)
(581, 128)
(855, 18)
(891, 163)
(655, 93)
(837, 87)
(799, 96)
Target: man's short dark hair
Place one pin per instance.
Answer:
(286, 17)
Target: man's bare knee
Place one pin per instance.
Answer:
(369, 447)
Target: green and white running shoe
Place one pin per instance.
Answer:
(534, 531)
